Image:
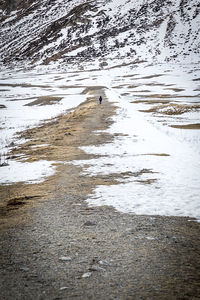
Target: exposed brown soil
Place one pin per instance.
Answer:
(44, 100)
(24, 85)
(187, 126)
(150, 76)
(151, 101)
(157, 154)
(56, 247)
(172, 109)
(176, 90)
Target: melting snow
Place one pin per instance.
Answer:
(167, 161)
(33, 172)
(17, 90)
(162, 163)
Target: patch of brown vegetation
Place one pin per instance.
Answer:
(127, 76)
(90, 90)
(116, 178)
(175, 89)
(147, 181)
(172, 109)
(157, 154)
(159, 96)
(133, 86)
(151, 76)
(24, 85)
(44, 100)
(125, 94)
(151, 101)
(187, 126)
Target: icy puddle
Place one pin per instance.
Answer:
(161, 163)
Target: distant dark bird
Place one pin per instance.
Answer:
(100, 99)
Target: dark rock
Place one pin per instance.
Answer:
(96, 268)
(89, 223)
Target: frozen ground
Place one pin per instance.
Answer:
(162, 163)
(20, 92)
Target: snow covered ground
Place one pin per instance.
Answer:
(162, 163)
(18, 90)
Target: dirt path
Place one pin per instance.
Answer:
(56, 247)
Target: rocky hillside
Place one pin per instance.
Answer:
(49, 31)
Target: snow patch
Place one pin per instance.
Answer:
(28, 172)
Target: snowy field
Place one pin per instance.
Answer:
(24, 96)
(157, 136)
(164, 161)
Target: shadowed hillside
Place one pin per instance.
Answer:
(46, 31)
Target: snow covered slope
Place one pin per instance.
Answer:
(48, 31)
